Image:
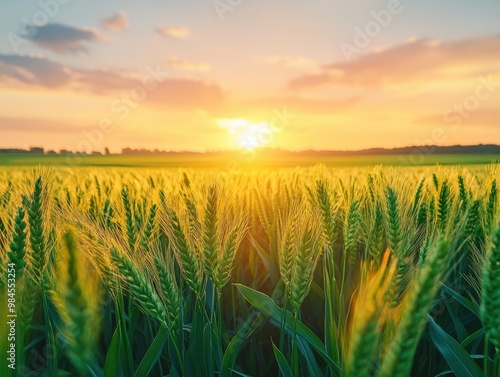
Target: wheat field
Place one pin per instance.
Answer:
(386, 272)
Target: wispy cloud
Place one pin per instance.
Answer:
(487, 117)
(425, 61)
(24, 124)
(102, 81)
(187, 65)
(27, 71)
(188, 93)
(33, 70)
(62, 38)
(291, 61)
(116, 22)
(298, 104)
(179, 32)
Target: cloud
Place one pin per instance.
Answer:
(187, 65)
(170, 92)
(22, 71)
(61, 38)
(173, 31)
(291, 61)
(116, 22)
(415, 61)
(33, 70)
(188, 93)
(39, 71)
(297, 104)
(37, 125)
(487, 117)
(103, 81)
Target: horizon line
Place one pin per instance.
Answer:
(129, 150)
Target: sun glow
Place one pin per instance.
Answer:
(248, 135)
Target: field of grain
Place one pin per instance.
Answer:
(312, 271)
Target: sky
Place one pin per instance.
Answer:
(224, 74)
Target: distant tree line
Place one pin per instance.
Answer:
(431, 149)
(40, 150)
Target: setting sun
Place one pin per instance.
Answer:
(255, 135)
(250, 141)
(248, 134)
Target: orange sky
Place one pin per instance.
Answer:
(205, 77)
